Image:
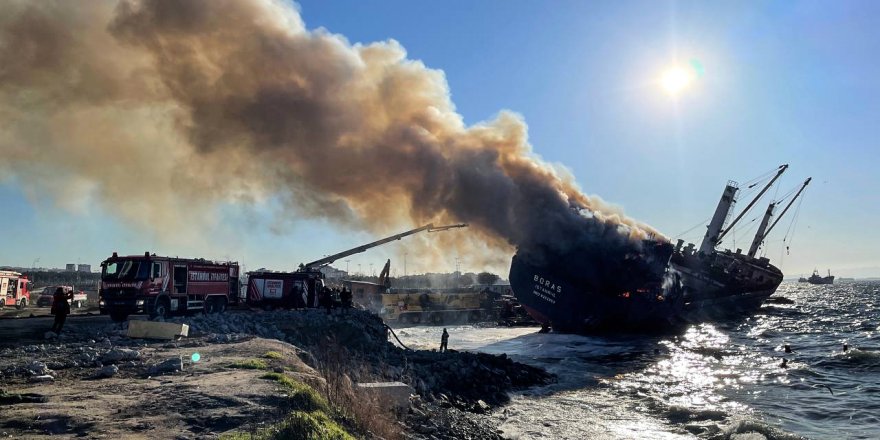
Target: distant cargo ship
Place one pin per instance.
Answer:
(689, 284)
(815, 278)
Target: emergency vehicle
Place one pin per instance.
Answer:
(163, 286)
(14, 289)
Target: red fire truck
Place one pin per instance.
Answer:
(162, 286)
(14, 289)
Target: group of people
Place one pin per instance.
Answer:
(327, 298)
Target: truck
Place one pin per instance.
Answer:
(164, 286)
(436, 308)
(298, 289)
(14, 288)
(47, 296)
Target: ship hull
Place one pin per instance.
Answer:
(564, 304)
(821, 280)
(729, 286)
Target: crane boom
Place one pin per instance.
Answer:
(779, 172)
(803, 187)
(328, 260)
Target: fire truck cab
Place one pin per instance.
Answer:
(14, 289)
(163, 286)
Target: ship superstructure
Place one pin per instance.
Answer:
(721, 283)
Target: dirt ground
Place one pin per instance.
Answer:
(205, 399)
(32, 310)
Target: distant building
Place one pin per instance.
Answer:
(84, 268)
(71, 268)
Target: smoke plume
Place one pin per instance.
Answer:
(163, 110)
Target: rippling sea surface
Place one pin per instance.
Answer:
(718, 381)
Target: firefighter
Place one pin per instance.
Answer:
(60, 308)
(345, 296)
(444, 340)
(328, 298)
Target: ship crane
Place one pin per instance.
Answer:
(781, 170)
(317, 264)
(762, 234)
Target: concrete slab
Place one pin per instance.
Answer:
(156, 330)
(396, 393)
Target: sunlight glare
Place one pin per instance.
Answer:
(676, 79)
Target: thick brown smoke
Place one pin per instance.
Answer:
(161, 110)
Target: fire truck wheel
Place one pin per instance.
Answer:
(22, 304)
(161, 309)
(210, 306)
(221, 305)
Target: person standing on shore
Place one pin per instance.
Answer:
(444, 340)
(60, 308)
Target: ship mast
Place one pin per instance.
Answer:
(803, 187)
(759, 236)
(781, 170)
(727, 200)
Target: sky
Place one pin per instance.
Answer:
(782, 82)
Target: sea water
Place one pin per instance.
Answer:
(711, 380)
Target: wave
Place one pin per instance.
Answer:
(855, 357)
(751, 429)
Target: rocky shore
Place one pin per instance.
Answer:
(454, 390)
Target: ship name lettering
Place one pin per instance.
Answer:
(544, 297)
(547, 283)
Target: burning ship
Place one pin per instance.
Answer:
(568, 297)
(661, 286)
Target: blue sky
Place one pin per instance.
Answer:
(784, 82)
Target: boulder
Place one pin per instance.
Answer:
(119, 354)
(36, 368)
(108, 371)
(169, 366)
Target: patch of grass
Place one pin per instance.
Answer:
(308, 421)
(251, 364)
(299, 425)
(273, 355)
(302, 396)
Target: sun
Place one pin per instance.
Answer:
(676, 79)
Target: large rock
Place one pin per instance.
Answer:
(35, 368)
(169, 366)
(119, 354)
(108, 371)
